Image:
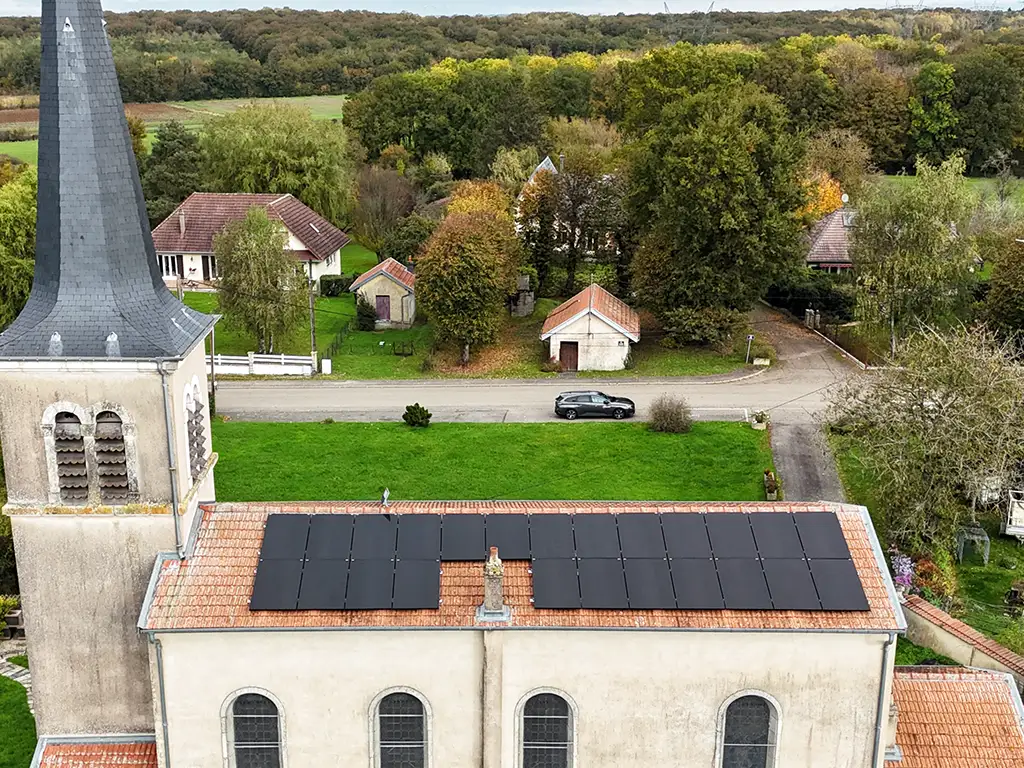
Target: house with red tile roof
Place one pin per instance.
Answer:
(391, 288)
(829, 242)
(591, 331)
(184, 240)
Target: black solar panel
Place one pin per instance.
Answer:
(417, 584)
(330, 537)
(686, 535)
(374, 537)
(602, 583)
(284, 537)
(731, 535)
(838, 585)
(370, 585)
(510, 534)
(640, 536)
(649, 583)
(276, 587)
(462, 537)
(775, 535)
(743, 585)
(790, 585)
(323, 585)
(555, 583)
(419, 537)
(551, 536)
(696, 585)
(822, 536)
(596, 536)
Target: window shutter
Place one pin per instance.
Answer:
(111, 461)
(72, 474)
(196, 441)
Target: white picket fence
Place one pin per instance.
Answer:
(263, 365)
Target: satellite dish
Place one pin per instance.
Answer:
(845, 198)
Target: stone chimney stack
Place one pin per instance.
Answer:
(181, 223)
(494, 608)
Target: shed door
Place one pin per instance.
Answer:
(569, 355)
(384, 308)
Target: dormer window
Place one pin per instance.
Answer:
(111, 458)
(69, 447)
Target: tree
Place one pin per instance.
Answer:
(406, 239)
(1004, 304)
(486, 196)
(537, 217)
(262, 290)
(989, 102)
(1001, 165)
(137, 131)
(912, 250)
(935, 431)
(933, 120)
(824, 197)
(281, 149)
(433, 176)
(17, 243)
(383, 199)
(173, 171)
(598, 137)
(842, 155)
(464, 276)
(512, 167)
(716, 189)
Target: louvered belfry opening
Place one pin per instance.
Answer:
(72, 474)
(196, 439)
(111, 460)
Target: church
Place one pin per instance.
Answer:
(167, 630)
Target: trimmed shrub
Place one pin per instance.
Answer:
(701, 326)
(335, 285)
(366, 315)
(551, 366)
(8, 603)
(416, 415)
(670, 414)
(18, 134)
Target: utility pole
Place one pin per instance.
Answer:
(312, 319)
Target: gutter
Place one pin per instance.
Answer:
(876, 749)
(171, 458)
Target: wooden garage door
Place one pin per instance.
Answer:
(569, 355)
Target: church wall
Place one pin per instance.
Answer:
(191, 372)
(83, 579)
(642, 698)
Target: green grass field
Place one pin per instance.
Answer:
(321, 107)
(651, 359)
(313, 461)
(984, 187)
(356, 259)
(26, 151)
(17, 726)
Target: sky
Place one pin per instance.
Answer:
(454, 7)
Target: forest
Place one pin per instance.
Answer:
(183, 55)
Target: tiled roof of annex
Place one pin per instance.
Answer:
(211, 589)
(390, 267)
(953, 717)
(594, 298)
(95, 754)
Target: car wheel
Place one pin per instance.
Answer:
(570, 414)
(618, 413)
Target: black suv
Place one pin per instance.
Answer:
(573, 404)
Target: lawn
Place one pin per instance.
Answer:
(356, 259)
(321, 107)
(17, 726)
(21, 661)
(652, 359)
(983, 186)
(26, 151)
(909, 655)
(317, 462)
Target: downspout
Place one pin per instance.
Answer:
(879, 725)
(172, 462)
(163, 699)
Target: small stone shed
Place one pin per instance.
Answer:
(592, 331)
(391, 288)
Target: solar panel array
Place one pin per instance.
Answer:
(737, 561)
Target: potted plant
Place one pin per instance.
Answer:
(759, 420)
(771, 485)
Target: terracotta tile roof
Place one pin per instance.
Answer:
(98, 755)
(211, 589)
(595, 299)
(950, 717)
(830, 239)
(207, 213)
(966, 633)
(388, 267)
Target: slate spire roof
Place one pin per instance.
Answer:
(97, 290)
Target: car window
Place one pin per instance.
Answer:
(599, 399)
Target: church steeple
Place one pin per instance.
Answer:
(97, 291)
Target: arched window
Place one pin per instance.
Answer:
(401, 732)
(255, 732)
(749, 733)
(111, 458)
(547, 732)
(69, 447)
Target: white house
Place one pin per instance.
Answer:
(184, 240)
(391, 288)
(592, 331)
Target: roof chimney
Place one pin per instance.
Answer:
(892, 750)
(494, 608)
(181, 223)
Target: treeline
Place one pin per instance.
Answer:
(904, 98)
(183, 55)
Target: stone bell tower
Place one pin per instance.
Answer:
(104, 418)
